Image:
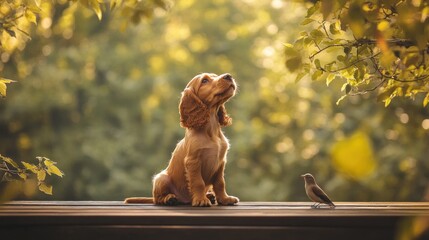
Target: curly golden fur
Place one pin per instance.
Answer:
(195, 174)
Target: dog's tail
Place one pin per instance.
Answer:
(139, 200)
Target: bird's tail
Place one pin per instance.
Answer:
(139, 200)
(332, 205)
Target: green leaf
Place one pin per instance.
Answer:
(10, 161)
(385, 94)
(317, 34)
(341, 58)
(31, 167)
(334, 28)
(316, 75)
(47, 189)
(347, 50)
(290, 50)
(288, 45)
(426, 100)
(3, 87)
(317, 64)
(52, 169)
(41, 175)
(299, 76)
(5, 80)
(95, 5)
(346, 87)
(330, 78)
(307, 21)
(30, 16)
(313, 9)
(22, 175)
(387, 102)
(294, 63)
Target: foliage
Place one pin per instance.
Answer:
(105, 102)
(12, 172)
(3, 87)
(368, 45)
(18, 17)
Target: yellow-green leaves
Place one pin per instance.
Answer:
(30, 16)
(95, 5)
(41, 175)
(368, 45)
(22, 175)
(31, 167)
(293, 58)
(30, 172)
(9, 160)
(313, 9)
(426, 100)
(386, 96)
(47, 189)
(307, 21)
(3, 87)
(52, 169)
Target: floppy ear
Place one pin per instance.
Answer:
(224, 119)
(193, 112)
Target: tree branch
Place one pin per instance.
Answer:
(398, 42)
(323, 49)
(351, 65)
(369, 90)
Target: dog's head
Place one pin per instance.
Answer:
(206, 92)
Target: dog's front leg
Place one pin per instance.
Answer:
(195, 181)
(219, 188)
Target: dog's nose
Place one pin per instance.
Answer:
(227, 76)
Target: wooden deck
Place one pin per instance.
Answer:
(248, 220)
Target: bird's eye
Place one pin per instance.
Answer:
(205, 80)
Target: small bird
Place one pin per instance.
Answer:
(315, 193)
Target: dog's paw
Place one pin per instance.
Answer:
(211, 197)
(170, 200)
(229, 200)
(201, 202)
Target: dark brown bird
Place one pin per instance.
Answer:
(315, 193)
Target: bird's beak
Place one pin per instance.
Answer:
(302, 175)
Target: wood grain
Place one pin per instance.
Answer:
(248, 220)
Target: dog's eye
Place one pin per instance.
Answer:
(205, 80)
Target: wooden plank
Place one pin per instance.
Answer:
(248, 220)
(244, 209)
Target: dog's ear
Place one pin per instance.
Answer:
(224, 119)
(193, 112)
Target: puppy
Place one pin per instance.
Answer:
(195, 173)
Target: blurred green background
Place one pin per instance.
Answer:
(101, 99)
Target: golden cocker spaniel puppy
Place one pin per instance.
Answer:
(195, 174)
